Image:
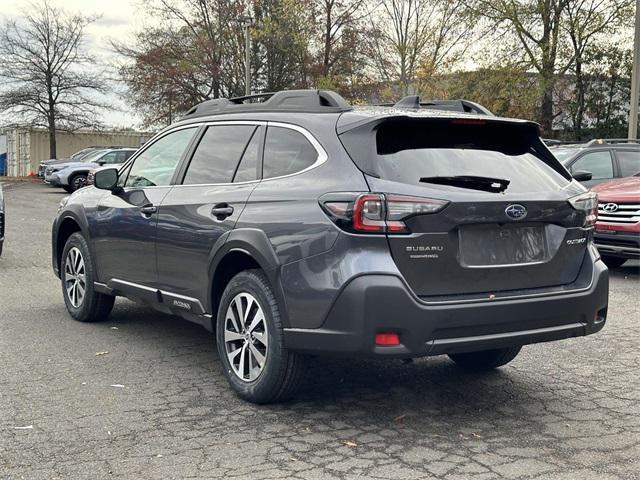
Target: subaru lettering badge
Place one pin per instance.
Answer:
(610, 207)
(516, 211)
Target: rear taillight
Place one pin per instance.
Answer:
(377, 212)
(588, 204)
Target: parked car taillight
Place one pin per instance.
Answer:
(587, 203)
(377, 212)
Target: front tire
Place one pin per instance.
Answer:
(76, 182)
(486, 359)
(613, 262)
(250, 341)
(77, 276)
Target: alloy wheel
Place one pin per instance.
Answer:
(74, 277)
(246, 337)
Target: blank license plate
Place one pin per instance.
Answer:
(490, 245)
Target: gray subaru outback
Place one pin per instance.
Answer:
(300, 225)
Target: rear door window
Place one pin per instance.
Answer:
(598, 163)
(286, 151)
(218, 154)
(628, 162)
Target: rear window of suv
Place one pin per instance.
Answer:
(410, 150)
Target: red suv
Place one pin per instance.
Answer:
(617, 233)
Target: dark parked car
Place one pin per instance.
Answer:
(599, 160)
(301, 225)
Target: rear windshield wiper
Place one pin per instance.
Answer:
(486, 184)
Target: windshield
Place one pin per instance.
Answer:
(94, 156)
(563, 154)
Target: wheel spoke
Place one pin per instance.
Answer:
(242, 360)
(79, 292)
(261, 337)
(247, 312)
(233, 354)
(257, 355)
(230, 336)
(257, 319)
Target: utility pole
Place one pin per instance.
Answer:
(246, 21)
(635, 81)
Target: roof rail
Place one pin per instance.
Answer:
(313, 101)
(603, 141)
(413, 101)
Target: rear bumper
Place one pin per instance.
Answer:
(618, 244)
(375, 303)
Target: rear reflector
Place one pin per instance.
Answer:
(387, 339)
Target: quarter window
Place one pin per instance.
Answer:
(156, 164)
(248, 168)
(598, 163)
(629, 162)
(218, 154)
(286, 151)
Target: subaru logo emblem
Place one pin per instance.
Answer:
(610, 207)
(516, 211)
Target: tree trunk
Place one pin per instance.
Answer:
(52, 136)
(580, 87)
(327, 41)
(546, 103)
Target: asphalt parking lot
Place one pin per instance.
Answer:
(142, 396)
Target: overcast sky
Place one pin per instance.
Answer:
(119, 20)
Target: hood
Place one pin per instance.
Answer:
(60, 166)
(628, 188)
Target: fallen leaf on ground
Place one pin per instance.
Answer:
(349, 443)
(101, 353)
(114, 328)
(476, 435)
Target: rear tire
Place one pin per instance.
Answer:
(613, 262)
(246, 300)
(77, 276)
(486, 359)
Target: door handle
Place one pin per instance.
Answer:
(148, 210)
(222, 211)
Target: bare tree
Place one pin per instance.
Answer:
(47, 77)
(585, 24)
(334, 19)
(537, 28)
(414, 35)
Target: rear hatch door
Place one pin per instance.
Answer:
(508, 224)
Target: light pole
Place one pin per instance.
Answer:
(246, 21)
(635, 80)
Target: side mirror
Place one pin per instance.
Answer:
(107, 179)
(101, 162)
(582, 175)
